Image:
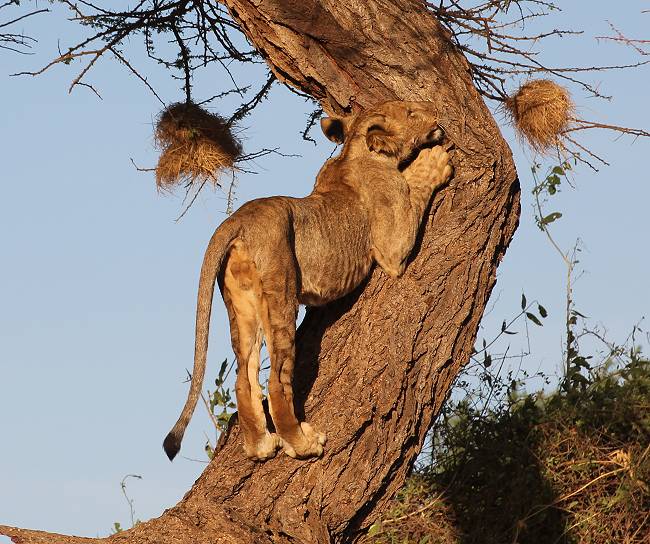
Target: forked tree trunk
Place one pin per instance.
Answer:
(374, 368)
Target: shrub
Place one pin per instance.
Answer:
(568, 467)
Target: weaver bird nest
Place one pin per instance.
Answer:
(541, 111)
(195, 145)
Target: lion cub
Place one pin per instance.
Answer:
(276, 253)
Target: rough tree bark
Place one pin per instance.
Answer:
(373, 369)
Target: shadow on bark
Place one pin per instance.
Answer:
(309, 337)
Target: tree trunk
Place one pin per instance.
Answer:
(374, 368)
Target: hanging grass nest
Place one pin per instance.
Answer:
(540, 111)
(195, 145)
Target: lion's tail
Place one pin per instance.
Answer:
(212, 262)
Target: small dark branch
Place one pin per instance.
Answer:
(77, 80)
(89, 86)
(247, 107)
(621, 38)
(192, 200)
(185, 60)
(230, 200)
(261, 153)
(219, 26)
(139, 168)
(222, 94)
(202, 32)
(36, 12)
(137, 74)
(490, 36)
(16, 42)
(311, 121)
(584, 125)
(589, 152)
(65, 58)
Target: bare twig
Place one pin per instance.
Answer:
(126, 496)
(621, 38)
(12, 41)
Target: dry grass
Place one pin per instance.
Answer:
(417, 515)
(195, 145)
(602, 489)
(540, 111)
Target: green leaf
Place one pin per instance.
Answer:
(503, 328)
(487, 360)
(523, 301)
(579, 378)
(581, 362)
(534, 319)
(375, 528)
(558, 170)
(550, 218)
(542, 311)
(222, 369)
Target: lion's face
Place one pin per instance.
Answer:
(395, 129)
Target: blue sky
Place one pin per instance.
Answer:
(98, 282)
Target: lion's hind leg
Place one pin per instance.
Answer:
(280, 303)
(243, 296)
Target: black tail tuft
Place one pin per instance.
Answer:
(171, 445)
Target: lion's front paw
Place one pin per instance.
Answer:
(442, 169)
(430, 169)
(265, 448)
(310, 443)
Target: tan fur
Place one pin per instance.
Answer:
(276, 253)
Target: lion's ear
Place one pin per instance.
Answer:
(379, 140)
(334, 128)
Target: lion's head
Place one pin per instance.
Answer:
(395, 129)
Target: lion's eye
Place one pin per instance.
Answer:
(376, 128)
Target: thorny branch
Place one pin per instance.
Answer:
(619, 37)
(186, 36)
(182, 36)
(16, 41)
(493, 36)
(195, 34)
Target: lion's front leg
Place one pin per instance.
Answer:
(395, 230)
